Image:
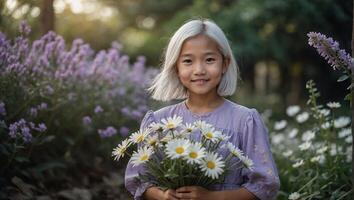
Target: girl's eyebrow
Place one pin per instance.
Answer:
(206, 53)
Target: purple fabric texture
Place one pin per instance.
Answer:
(247, 132)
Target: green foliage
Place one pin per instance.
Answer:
(318, 148)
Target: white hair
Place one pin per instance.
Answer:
(167, 86)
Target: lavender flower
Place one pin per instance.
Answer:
(124, 131)
(24, 28)
(33, 112)
(98, 109)
(108, 132)
(329, 49)
(2, 109)
(42, 106)
(86, 120)
(41, 127)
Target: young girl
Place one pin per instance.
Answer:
(200, 68)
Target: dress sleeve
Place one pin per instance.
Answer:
(132, 184)
(263, 180)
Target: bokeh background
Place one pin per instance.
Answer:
(85, 81)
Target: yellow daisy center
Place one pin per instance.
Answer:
(170, 126)
(189, 130)
(209, 135)
(140, 138)
(193, 154)
(179, 150)
(152, 142)
(210, 164)
(144, 157)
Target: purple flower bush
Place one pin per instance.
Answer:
(329, 49)
(70, 94)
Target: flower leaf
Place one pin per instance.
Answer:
(343, 78)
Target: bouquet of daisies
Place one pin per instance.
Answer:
(176, 154)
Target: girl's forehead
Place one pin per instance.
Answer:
(200, 43)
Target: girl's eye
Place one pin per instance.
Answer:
(209, 60)
(187, 61)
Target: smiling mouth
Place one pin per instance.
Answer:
(200, 80)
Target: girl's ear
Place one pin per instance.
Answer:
(225, 66)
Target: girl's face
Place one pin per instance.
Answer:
(200, 65)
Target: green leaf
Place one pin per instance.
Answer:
(343, 78)
(21, 159)
(348, 97)
(3, 150)
(49, 165)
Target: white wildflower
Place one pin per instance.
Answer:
(293, 132)
(171, 123)
(141, 156)
(287, 153)
(344, 132)
(301, 118)
(294, 196)
(341, 122)
(308, 136)
(212, 165)
(177, 148)
(304, 146)
(280, 125)
(292, 110)
(298, 163)
(333, 105)
(349, 139)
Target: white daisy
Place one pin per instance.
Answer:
(315, 159)
(325, 112)
(341, 122)
(333, 105)
(171, 123)
(294, 196)
(326, 125)
(195, 153)
(247, 162)
(120, 150)
(168, 137)
(277, 138)
(298, 163)
(152, 140)
(224, 137)
(280, 125)
(235, 151)
(211, 134)
(156, 126)
(139, 136)
(293, 132)
(141, 156)
(304, 146)
(201, 125)
(188, 128)
(349, 139)
(212, 165)
(321, 150)
(177, 148)
(308, 136)
(301, 118)
(344, 132)
(288, 153)
(292, 110)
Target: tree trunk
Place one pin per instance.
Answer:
(47, 16)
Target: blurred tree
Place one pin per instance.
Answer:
(47, 15)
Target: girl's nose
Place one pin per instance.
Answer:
(199, 68)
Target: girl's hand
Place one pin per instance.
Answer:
(155, 193)
(169, 195)
(194, 192)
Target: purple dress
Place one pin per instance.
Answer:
(247, 132)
